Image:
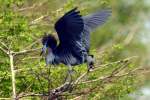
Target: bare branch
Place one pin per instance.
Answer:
(31, 94)
(103, 65)
(78, 79)
(35, 42)
(26, 51)
(38, 19)
(29, 58)
(27, 8)
(5, 98)
(5, 51)
(13, 75)
(77, 98)
(33, 6)
(4, 45)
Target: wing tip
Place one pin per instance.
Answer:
(75, 8)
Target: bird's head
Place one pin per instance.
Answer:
(49, 43)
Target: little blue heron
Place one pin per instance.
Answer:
(73, 31)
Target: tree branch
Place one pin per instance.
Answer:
(26, 51)
(5, 51)
(2, 49)
(38, 19)
(35, 42)
(5, 98)
(13, 75)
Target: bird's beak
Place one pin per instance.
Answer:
(44, 49)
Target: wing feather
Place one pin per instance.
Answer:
(70, 29)
(91, 22)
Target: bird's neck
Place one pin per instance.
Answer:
(50, 52)
(50, 57)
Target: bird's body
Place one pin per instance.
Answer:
(74, 38)
(56, 57)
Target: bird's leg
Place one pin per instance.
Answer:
(70, 73)
(90, 62)
(70, 70)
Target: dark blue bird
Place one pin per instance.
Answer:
(74, 38)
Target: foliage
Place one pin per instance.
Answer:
(23, 23)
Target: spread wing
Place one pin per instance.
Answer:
(69, 29)
(91, 22)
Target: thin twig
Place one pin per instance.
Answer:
(35, 42)
(103, 65)
(31, 94)
(5, 51)
(27, 8)
(38, 19)
(32, 7)
(5, 98)
(4, 45)
(26, 51)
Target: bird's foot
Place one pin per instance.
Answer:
(90, 67)
(90, 63)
